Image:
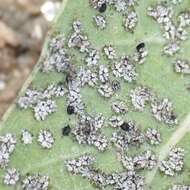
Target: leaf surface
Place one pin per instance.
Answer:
(157, 73)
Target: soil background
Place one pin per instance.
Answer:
(22, 31)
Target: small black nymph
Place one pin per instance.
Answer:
(66, 130)
(140, 46)
(125, 126)
(70, 109)
(103, 8)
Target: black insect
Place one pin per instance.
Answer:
(125, 126)
(66, 130)
(70, 109)
(140, 46)
(173, 116)
(103, 8)
(68, 78)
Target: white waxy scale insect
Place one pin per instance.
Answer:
(145, 161)
(77, 26)
(26, 137)
(8, 143)
(115, 121)
(30, 99)
(83, 76)
(163, 111)
(57, 57)
(119, 107)
(78, 166)
(118, 69)
(125, 69)
(44, 108)
(174, 163)
(110, 52)
(184, 19)
(54, 91)
(182, 66)
(7, 146)
(140, 96)
(93, 57)
(45, 138)
(171, 48)
(86, 76)
(153, 136)
(170, 31)
(100, 21)
(11, 177)
(99, 141)
(106, 90)
(120, 5)
(162, 14)
(103, 73)
(130, 22)
(4, 159)
(92, 79)
(181, 34)
(96, 4)
(35, 182)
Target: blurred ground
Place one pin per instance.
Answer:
(22, 31)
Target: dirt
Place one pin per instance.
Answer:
(22, 32)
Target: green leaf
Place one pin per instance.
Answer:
(157, 73)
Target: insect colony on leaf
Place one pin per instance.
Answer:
(106, 80)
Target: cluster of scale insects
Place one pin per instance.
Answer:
(106, 80)
(13, 176)
(174, 32)
(125, 8)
